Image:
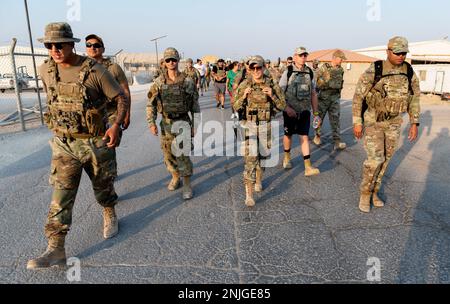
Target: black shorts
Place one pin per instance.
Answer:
(299, 125)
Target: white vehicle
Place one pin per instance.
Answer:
(7, 82)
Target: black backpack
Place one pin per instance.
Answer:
(291, 71)
(379, 75)
(242, 113)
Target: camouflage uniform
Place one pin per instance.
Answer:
(174, 101)
(259, 111)
(330, 81)
(387, 101)
(194, 74)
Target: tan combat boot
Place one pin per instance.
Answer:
(187, 189)
(175, 182)
(249, 200)
(364, 202)
(317, 141)
(287, 161)
(258, 185)
(110, 223)
(54, 256)
(377, 202)
(340, 145)
(310, 170)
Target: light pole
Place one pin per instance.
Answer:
(156, 45)
(34, 62)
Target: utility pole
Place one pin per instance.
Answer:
(156, 46)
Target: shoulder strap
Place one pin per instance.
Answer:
(410, 74)
(378, 72)
(86, 67)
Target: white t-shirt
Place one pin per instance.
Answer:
(201, 69)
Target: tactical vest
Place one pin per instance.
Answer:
(334, 79)
(259, 107)
(298, 91)
(390, 96)
(173, 97)
(107, 63)
(71, 112)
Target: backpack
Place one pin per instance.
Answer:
(379, 75)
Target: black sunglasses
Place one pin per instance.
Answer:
(399, 54)
(58, 46)
(255, 68)
(94, 45)
(171, 60)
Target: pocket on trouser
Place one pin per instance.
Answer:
(104, 164)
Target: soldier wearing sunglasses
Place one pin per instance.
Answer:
(386, 91)
(78, 90)
(260, 98)
(95, 49)
(174, 95)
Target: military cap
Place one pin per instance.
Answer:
(398, 45)
(339, 54)
(98, 38)
(189, 60)
(267, 61)
(257, 60)
(58, 32)
(171, 53)
(301, 50)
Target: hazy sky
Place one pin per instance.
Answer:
(232, 28)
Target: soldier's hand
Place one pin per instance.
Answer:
(358, 131)
(113, 135)
(268, 91)
(413, 133)
(247, 91)
(154, 130)
(290, 112)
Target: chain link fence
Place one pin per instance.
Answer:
(22, 100)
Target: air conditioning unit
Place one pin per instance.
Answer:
(349, 66)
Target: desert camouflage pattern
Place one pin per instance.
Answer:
(70, 111)
(389, 98)
(260, 110)
(383, 120)
(330, 81)
(174, 101)
(69, 159)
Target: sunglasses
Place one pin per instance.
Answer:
(255, 68)
(58, 46)
(94, 45)
(171, 60)
(302, 55)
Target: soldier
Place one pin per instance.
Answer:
(192, 73)
(78, 90)
(160, 70)
(384, 92)
(175, 96)
(95, 48)
(260, 97)
(298, 84)
(274, 72)
(330, 81)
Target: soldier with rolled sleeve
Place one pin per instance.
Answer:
(78, 91)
